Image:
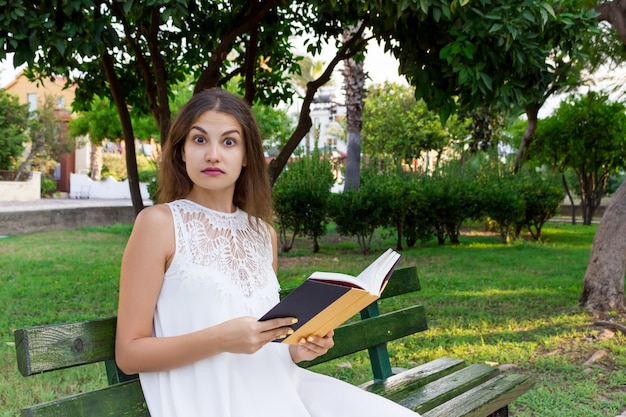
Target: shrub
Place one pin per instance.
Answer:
(358, 213)
(450, 199)
(48, 185)
(500, 199)
(542, 195)
(301, 197)
(395, 193)
(114, 165)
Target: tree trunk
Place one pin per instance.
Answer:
(96, 162)
(127, 132)
(603, 287)
(353, 161)
(570, 198)
(614, 12)
(532, 112)
(354, 85)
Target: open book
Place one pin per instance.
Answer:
(325, 300)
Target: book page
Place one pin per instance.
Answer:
(371, 279)
(377, 273)
(337, 278)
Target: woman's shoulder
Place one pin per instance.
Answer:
(156, 215)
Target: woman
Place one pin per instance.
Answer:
(200, 269)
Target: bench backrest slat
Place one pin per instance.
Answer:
(403, 281)
(46, 348)
(359, 335)
(119, 400)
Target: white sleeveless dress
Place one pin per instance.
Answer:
(222, 269)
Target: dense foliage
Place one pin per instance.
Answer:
(587, 134)
(395, 123)
(359, 212)
(417, 206)
(301, 198)
(13, 124)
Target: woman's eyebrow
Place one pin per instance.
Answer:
(199, 128)
(228, 132)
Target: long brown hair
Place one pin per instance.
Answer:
(252, 190)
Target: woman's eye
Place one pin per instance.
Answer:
(199, 139)
(229, 142)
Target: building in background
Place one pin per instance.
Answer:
(33, 93)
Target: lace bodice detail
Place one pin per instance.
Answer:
(224, 248)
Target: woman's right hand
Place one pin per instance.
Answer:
(248, 334)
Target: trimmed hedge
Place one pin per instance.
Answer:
(417, 207)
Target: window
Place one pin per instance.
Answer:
(32, 102)
(61, 102)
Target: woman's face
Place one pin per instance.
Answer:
(214, 152)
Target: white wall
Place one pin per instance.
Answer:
(82, 155)
(81, 186)
(29, 190)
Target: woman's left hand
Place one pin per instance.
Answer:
(311, 347)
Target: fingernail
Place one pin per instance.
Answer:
(302, 341)
(294, 320)
(290, 331)
(282, 336)
(310, 339)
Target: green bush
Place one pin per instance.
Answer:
(450, 199)
(301, 197)
(418, 224)
(359, 213)
(48, 186)
(500, 198)
(114, 165)
(542, 196)
(152, 187)
(401, 205)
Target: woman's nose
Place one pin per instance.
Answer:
(212, 153)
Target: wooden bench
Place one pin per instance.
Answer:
(444, 387)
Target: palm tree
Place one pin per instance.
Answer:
(310, 70)
(354, 87)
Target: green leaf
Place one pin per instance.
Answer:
(468, 51)
(496, 27)
(548, 8)
(60, 45)
(486, 79)
(424, 5)
(437, 14)
(528, 15)
(127, 5)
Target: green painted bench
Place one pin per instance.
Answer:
(444, 387)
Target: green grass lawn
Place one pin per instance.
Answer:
(514, 306)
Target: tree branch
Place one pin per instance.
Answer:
(245, 21)
(350, 48)
(614, 12)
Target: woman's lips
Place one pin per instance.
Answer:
(213, 171)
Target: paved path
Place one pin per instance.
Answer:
(63, 203)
